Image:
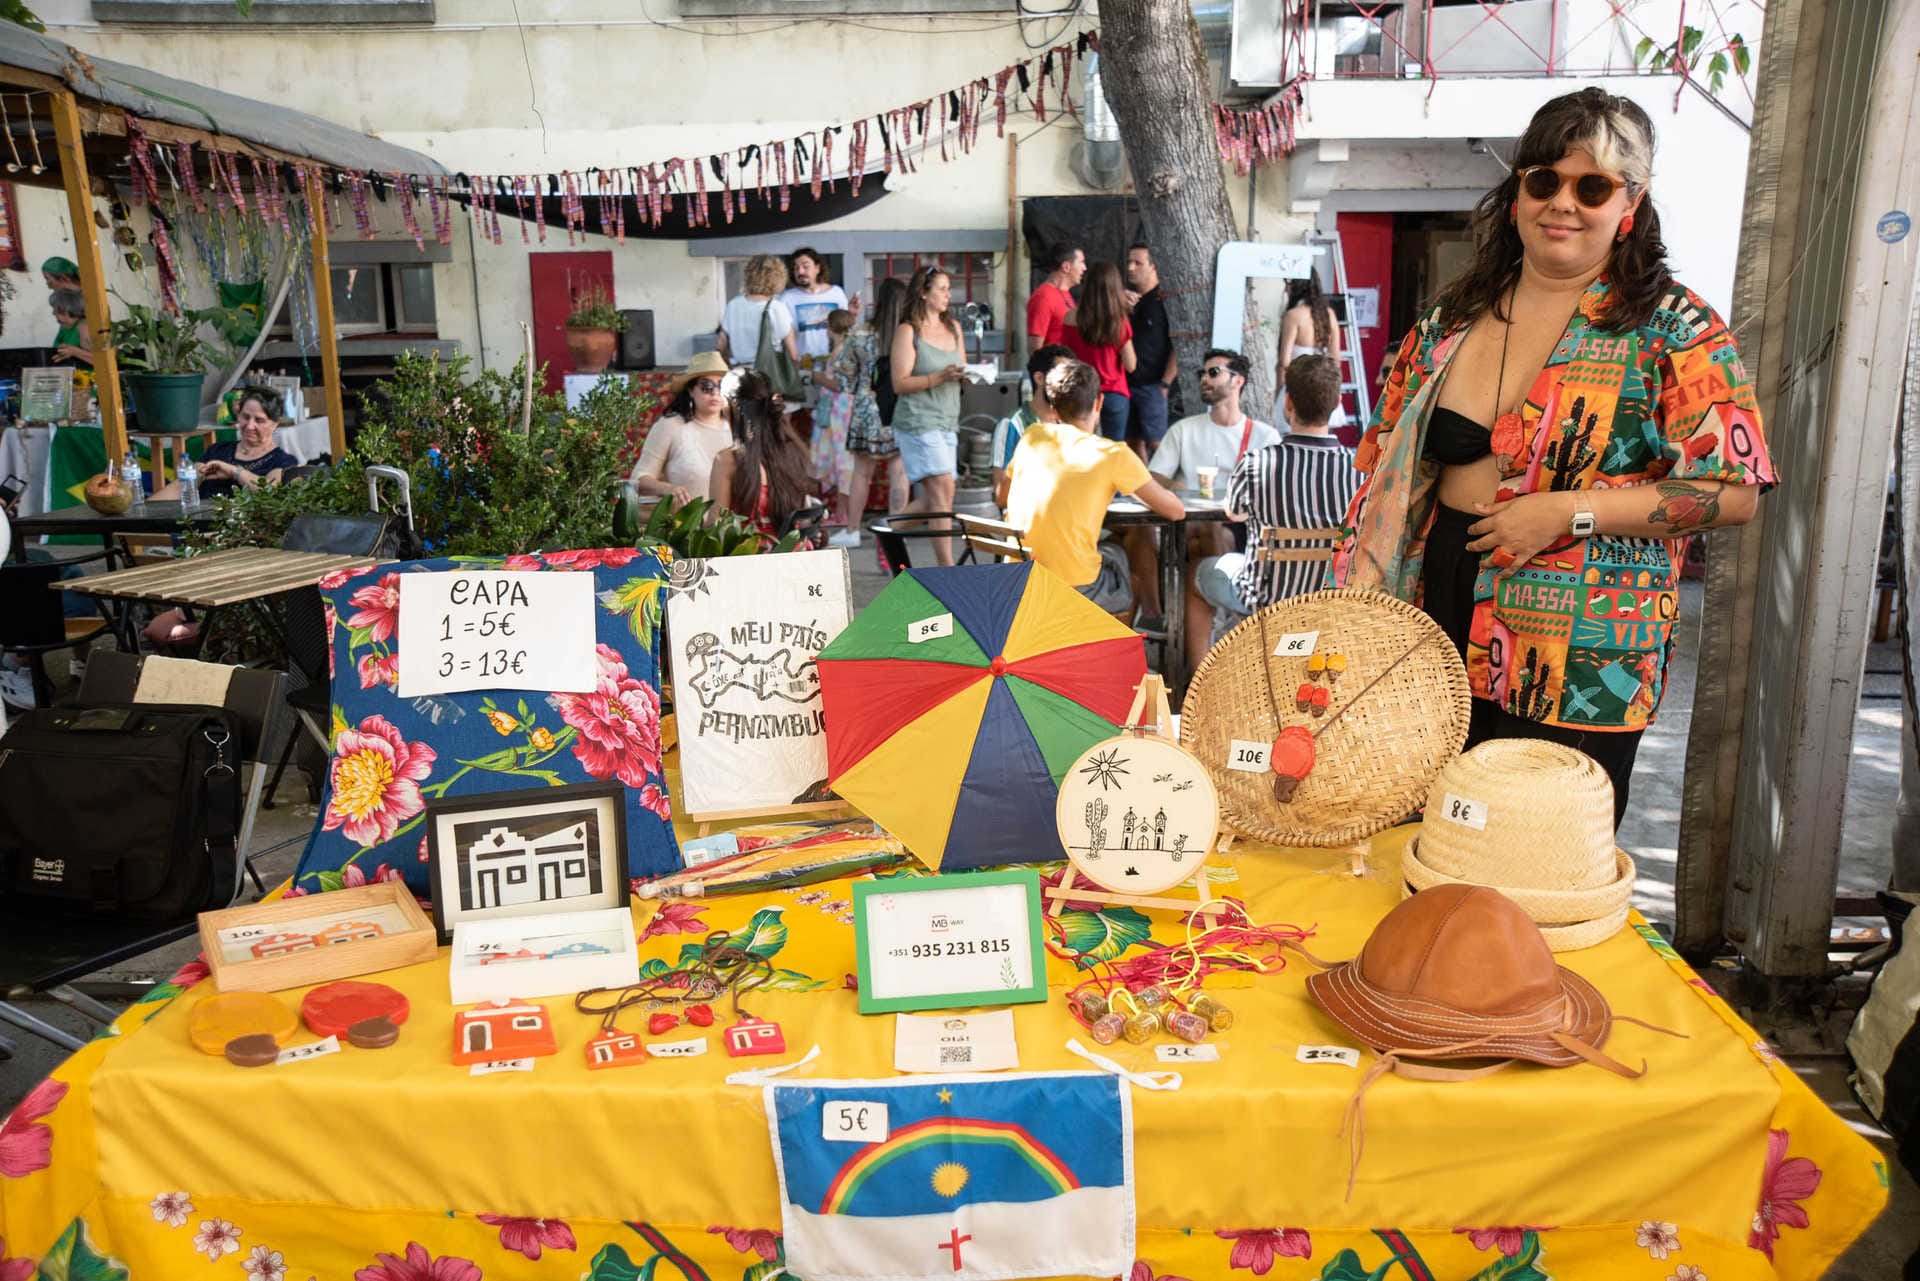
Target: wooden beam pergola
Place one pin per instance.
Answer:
(77, 122)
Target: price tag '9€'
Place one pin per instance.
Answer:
(492, 629)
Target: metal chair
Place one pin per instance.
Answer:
(33, 621)
(893, 541)
(993, 538)
(1279, 544)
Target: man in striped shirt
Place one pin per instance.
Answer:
(1305, 481)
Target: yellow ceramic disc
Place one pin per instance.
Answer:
(222, 1018)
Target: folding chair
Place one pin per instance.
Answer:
(993, 538)
(894, 540)
(44, 956)
(1279, 544)
(33, 621)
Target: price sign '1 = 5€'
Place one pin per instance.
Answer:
(495, 630)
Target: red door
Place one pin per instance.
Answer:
(1366, 239)
(559, 281)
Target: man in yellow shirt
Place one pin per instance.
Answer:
(1063, 475)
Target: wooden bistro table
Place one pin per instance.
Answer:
(1170, 546)
(217, 580)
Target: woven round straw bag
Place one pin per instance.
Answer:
(1398, 714)
(1533, 820)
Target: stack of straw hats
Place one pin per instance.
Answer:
(1533, 820)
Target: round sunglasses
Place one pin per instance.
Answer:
(707, 385)
(1544, 182)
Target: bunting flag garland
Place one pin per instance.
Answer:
(1266, 133)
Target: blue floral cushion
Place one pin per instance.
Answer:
(392, 755)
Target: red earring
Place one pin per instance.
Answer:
(1626, 227)
(1513, 211)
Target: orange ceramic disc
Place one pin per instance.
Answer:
(232, 1015)
(332, 1008)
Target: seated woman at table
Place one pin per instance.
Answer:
(763, 475)
(1566, 413)
(74, 341)
(247, 463)
(1063, 475)
(676, 461)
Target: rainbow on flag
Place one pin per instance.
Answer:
(1021, 1175)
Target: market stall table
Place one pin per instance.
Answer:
(1170, 548)
(1719, 1159)
(151, 517)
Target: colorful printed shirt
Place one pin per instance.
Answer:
(1578, 636)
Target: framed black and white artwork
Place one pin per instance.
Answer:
(533, 852)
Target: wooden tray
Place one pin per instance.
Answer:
(335, 950)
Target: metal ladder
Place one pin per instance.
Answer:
(1353, 365)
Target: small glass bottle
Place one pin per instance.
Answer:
(1141, 1027)
(1187, 1026)
(1152, 998)
(1219, 1018)
(1107, 1028)
(1089, 1005)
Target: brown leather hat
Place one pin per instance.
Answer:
(1460, 971)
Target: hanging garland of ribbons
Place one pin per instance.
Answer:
(659, 190)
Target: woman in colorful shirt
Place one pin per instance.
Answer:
(1553, 431)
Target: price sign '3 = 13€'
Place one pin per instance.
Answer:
(495, 630)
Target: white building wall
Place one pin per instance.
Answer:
(593, 82)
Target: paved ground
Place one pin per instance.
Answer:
(1650, 834)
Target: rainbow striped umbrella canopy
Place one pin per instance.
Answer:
(958, 698)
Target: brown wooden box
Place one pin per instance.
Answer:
(320, 960)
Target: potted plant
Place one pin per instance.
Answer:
(164, 362)
(593, 330)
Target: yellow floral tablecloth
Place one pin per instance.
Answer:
(143, 1158)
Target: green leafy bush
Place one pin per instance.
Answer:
(696, 530)
(480, 486)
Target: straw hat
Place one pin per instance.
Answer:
(1534, 820)
(705, 364)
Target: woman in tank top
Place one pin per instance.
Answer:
(929, 358)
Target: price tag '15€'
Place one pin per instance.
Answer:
(495, 630)
(854, 1121)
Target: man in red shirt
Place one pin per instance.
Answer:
(1047, 305)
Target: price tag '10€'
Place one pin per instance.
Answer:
(495, 630)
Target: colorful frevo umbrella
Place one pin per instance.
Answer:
(958, 698)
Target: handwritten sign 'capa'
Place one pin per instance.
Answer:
(493, 629)
(746, 634)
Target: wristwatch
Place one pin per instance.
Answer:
(1583, 525)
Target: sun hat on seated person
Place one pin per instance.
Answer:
(705, 364)
(1460, 972)
(1534, 820)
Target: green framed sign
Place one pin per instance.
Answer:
(937, 942)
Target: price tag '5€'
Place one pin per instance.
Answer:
(854, 1121)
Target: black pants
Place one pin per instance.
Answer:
(1447, 577)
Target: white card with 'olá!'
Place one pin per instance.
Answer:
(1296, 645)
(495, 629)
(1247, 757)
(930, 628)
(954, 1042)
(1467, 813)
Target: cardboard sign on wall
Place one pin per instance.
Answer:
(745, 631)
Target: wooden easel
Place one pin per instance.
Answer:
(1150, 698)
(772, 813)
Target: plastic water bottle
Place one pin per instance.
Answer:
(189, 485)
(130, 477)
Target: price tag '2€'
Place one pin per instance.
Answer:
(853, 1121)
(492, 629)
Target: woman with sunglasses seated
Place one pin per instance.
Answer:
(1552, 432)
(677, 459)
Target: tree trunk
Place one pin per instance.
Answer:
(1160, 89)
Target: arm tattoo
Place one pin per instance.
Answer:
(1686, 506)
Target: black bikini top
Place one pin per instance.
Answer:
(1453, 439)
